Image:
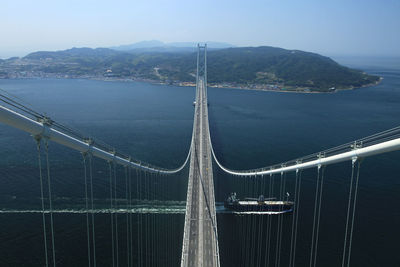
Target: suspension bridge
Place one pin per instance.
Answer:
(128, 202)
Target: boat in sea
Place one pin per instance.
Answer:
(258, 205)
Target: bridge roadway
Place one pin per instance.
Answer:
(200, 244)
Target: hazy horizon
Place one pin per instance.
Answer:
(367, 28)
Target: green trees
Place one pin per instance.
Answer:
(236, 66)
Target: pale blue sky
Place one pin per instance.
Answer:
(330, 27)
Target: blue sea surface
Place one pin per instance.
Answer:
(249, 129)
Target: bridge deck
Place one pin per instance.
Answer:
(200, 239)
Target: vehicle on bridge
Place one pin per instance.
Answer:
(257, 205)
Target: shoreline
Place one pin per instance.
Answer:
(302, 91)
(190, 84)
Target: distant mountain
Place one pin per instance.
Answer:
(250, 67)
(161, 49)
(158, 46)
(214, 45)
(142, 44)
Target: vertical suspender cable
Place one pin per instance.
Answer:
(50, 202)
(319, 214)
(38, 142)
(354, 211)
(156, 214)
(146, 237)
(130, 217)
(242, 223)
(139, 223)
(281, 217)
(247, 226)
(256, 217)
(161, 224)
(293, 217)
(151, 219)
(236, 220)
(348, 211)
(116, 215)
(256, 223)
(253, 226)
(169, 220)
(92, 208)
(111, 214)
(260, 225)
(278, 235)
(155, 238)
(156, 219)
(166, 225)
(127, 215)
(87, 209)
(149, 222)
(270, 193)
(315, 216)
(297, 219)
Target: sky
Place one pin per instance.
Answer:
(338, 27)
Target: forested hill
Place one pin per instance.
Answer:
(290, 67)
(251, 67)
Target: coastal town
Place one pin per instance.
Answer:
(110, 65)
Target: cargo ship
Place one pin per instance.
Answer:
(258, 205)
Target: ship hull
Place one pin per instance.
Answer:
(255, 207)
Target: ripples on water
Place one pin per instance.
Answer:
(249, 129)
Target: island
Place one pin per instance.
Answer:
(260, 68)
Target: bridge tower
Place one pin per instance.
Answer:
(200, 240)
